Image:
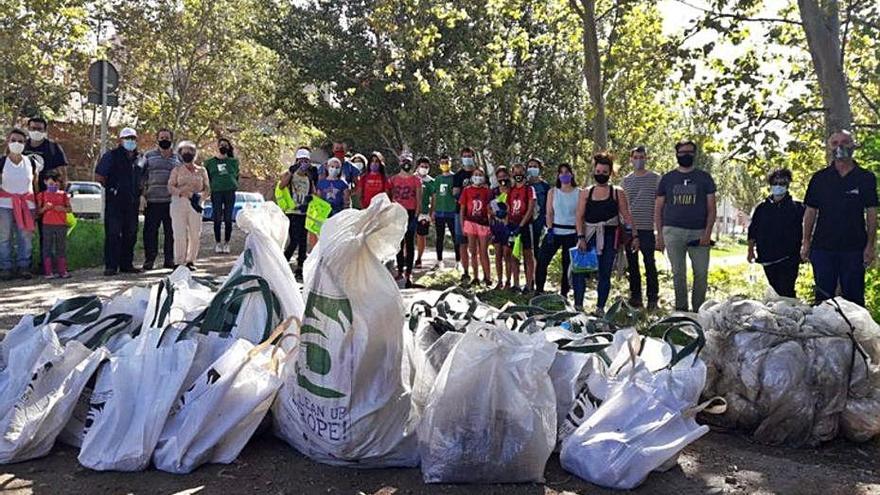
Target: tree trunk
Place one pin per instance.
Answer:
(822, 27)
(593, 70)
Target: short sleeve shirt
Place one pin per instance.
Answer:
(686, 194)
(462, 179)
(476, 204)
(405, 190)
(333, 192)
(441, 188)
(372, 184)
(52, 155)
(841, 202)
(518, 199)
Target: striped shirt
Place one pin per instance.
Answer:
(641, 193)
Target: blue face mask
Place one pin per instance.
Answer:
(129, 144)
(778, 190)
(467, 161)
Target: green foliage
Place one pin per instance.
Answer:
(85, 245)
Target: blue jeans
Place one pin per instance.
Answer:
(845, 267)
(15, 244)
(606, 266)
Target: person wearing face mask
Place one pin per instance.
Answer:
(684, 216)
(349, 172)
(561, 220)
(406, 190)
(188, 185)
(776, 231)
(541, 188)
(443, 207)
(475, 217)
(298, 186)
(373, 182)
(39, 148)
(841, 204)
(520, 207)
(54, 205)
(460, 180)
(49, 152)
(120, 174)
(18, 176)
(641, 190)
(500, 234)
(333, 188)
(601, 208)
(156, 166)
(423, 169)
(223, 170)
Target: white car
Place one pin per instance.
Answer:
(86, 199)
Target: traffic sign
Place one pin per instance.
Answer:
(96, 73)
(95, 99)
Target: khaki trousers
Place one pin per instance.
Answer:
(187, 226)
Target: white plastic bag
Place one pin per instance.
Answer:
(263, 256)
(133, 393)
(491, 417)
(177, 297)
(213, 420)
(30, 427)
(345, 402)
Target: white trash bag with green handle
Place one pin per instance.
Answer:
(345, 401)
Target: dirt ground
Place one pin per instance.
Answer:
(718, 463)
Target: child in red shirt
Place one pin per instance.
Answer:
(406, 190)
(475, 209)
(53, 205)
(520, 207)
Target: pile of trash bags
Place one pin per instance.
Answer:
(184, 372)
(792, 374)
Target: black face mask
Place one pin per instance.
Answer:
(601, 178)
(685, 161)
(519, 178)
(504, 182)
(164, 143)
(224, 150)
(187, 157)
(406, 166)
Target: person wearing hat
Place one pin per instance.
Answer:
(298, 184)
(119, 173)
(189, 185)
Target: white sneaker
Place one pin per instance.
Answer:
(226, 248)
(218, 248)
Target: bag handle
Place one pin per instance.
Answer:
(116, 323)
(715, 405)
(679, 324)
(417, 311)
(544, 300)
(443, 308)
(584, 346)
(85, 309)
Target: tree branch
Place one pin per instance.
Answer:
(874, 106)
(739, 17)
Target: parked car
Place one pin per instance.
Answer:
(86, 199)
(241, 199)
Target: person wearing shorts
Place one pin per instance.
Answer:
(500, 237)
(520, 206)
(474, 203)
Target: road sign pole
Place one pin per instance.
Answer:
(103, 107)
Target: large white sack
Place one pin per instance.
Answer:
(491, 417)
(345, 402)
(644, 422)
(177, 297)
(263, 256)
(30, 427)
(133, 393)
(213, 420)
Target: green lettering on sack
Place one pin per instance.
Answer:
(325, 317)
(317, 358)
(327, 393)
(248, 258)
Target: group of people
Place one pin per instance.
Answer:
(522, 217)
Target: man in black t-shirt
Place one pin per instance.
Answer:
(460, 180)
(684, 214)
(49, 151)
(841, 204)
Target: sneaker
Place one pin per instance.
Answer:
(169, 266)
(64, 275)
(465, 280)
(418, 263)
(499, 286)
(218, 248)
(599, 313)
(487, 282)
(438, 265)
(25, 275)
(109, 272)
(131, 269)
(653, 306)
(6, 275)
(226, 249)
(636, 303)
(50, 276)
(408, 284)
(148, 266)
(191, 266)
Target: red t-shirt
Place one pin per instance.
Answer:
(518, 200)
(404, 190)
(53, 217)
(475, 200)
(370, 185)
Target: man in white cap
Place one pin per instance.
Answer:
(299, 182)
(118, 171)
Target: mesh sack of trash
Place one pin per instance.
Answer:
(793, 374)
(491, 416)
(345, 401)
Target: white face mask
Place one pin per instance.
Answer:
(358, 165)
(478, 180)
(423, 171)
(16, 148)
(333, 172)
(37, 135)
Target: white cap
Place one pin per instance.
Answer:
(303, 153)
(406, 155)
(127, 132)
